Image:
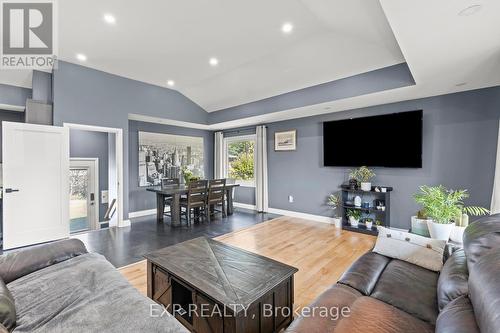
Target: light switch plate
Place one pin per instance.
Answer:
(104, 196)
(290, 198)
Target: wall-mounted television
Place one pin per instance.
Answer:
(391, 140)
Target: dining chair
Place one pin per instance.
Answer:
(216, 196)
(195, 200)
(166, 182)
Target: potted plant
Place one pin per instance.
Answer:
(354, 216)
(187, 175)
(363, 175)
(334, 201)
(442, 208)
(369, 223)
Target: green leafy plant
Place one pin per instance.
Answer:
(443, 205)
(368, 219)
(378, 222)
(187, 174)
(354, 213)
(362, 174)
(334, 201)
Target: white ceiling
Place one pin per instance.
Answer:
(157, 40)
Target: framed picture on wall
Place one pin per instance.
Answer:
(285, 141)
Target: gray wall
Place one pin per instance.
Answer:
(92, 145)
(139, 198)
(42, 87)
(14, 95)
(13, 116)
(459, 150)
(91, 97)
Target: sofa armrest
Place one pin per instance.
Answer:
(18, 264)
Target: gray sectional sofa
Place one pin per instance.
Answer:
(59, 287)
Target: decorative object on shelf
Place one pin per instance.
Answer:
(383, 189)
(377, 189)
(353, 184)
(285, 141)
(357, 201)
(369, 223)
(363, 175)
(334, 200)
(443, 207)
(354, 216)
(365, 205)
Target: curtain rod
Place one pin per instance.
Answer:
(242, 129)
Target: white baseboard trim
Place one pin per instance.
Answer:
(317, 218)
(246, 206)
(125, 223)
(141, 213)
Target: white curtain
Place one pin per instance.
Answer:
(495, 198)
(261, 190)
(219, 156)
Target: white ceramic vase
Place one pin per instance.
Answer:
(353, 221)
(337, 222)
(369, 225)
(365, 186)
(439, 231)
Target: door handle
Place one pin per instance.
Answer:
(10, 190)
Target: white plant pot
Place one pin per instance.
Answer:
(440, 231)
(419, 227)
(369, 225)
(366, 186)
(353, 221)
(457, 234)
(337, 222)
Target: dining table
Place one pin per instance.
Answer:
(175, 192)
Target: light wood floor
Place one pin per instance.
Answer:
(320, 251)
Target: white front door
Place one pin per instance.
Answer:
(35, 184)
(84, 200)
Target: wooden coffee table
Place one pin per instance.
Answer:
(213, 287)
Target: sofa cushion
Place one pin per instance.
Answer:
(364, 273)
(457, 317)
(336, 297)
(484, 291)
(481, 237)
(17, 264)
(84, 294)
(365, 314)
(7, 307)
(410, 288)
(415, 249)
(453, 280)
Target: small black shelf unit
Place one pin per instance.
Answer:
(384, 216)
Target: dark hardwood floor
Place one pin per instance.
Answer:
(124, 246)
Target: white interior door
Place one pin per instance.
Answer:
(35, 184)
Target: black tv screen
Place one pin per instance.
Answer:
(392, 140)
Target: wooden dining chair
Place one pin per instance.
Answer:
(216, 196)
(166, 182)
(195, 200)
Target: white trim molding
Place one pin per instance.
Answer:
(125, 223)
(317, 218)
(245, 206)
(141, 213)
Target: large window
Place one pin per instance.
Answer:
(240, 159)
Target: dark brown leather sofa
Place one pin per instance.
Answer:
(389, 295)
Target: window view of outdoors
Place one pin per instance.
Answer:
(240, 161)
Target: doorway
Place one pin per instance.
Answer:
(84, 200)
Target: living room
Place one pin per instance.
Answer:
(328, 167)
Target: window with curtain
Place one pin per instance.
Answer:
(240, 159)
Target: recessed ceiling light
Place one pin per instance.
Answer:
(170, 83)
(471, 10)
(109, 19)
(81, 57)
(287, 27)
(213, 61)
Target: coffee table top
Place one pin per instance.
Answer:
(229, 275)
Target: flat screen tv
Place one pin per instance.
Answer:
(392, 140)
